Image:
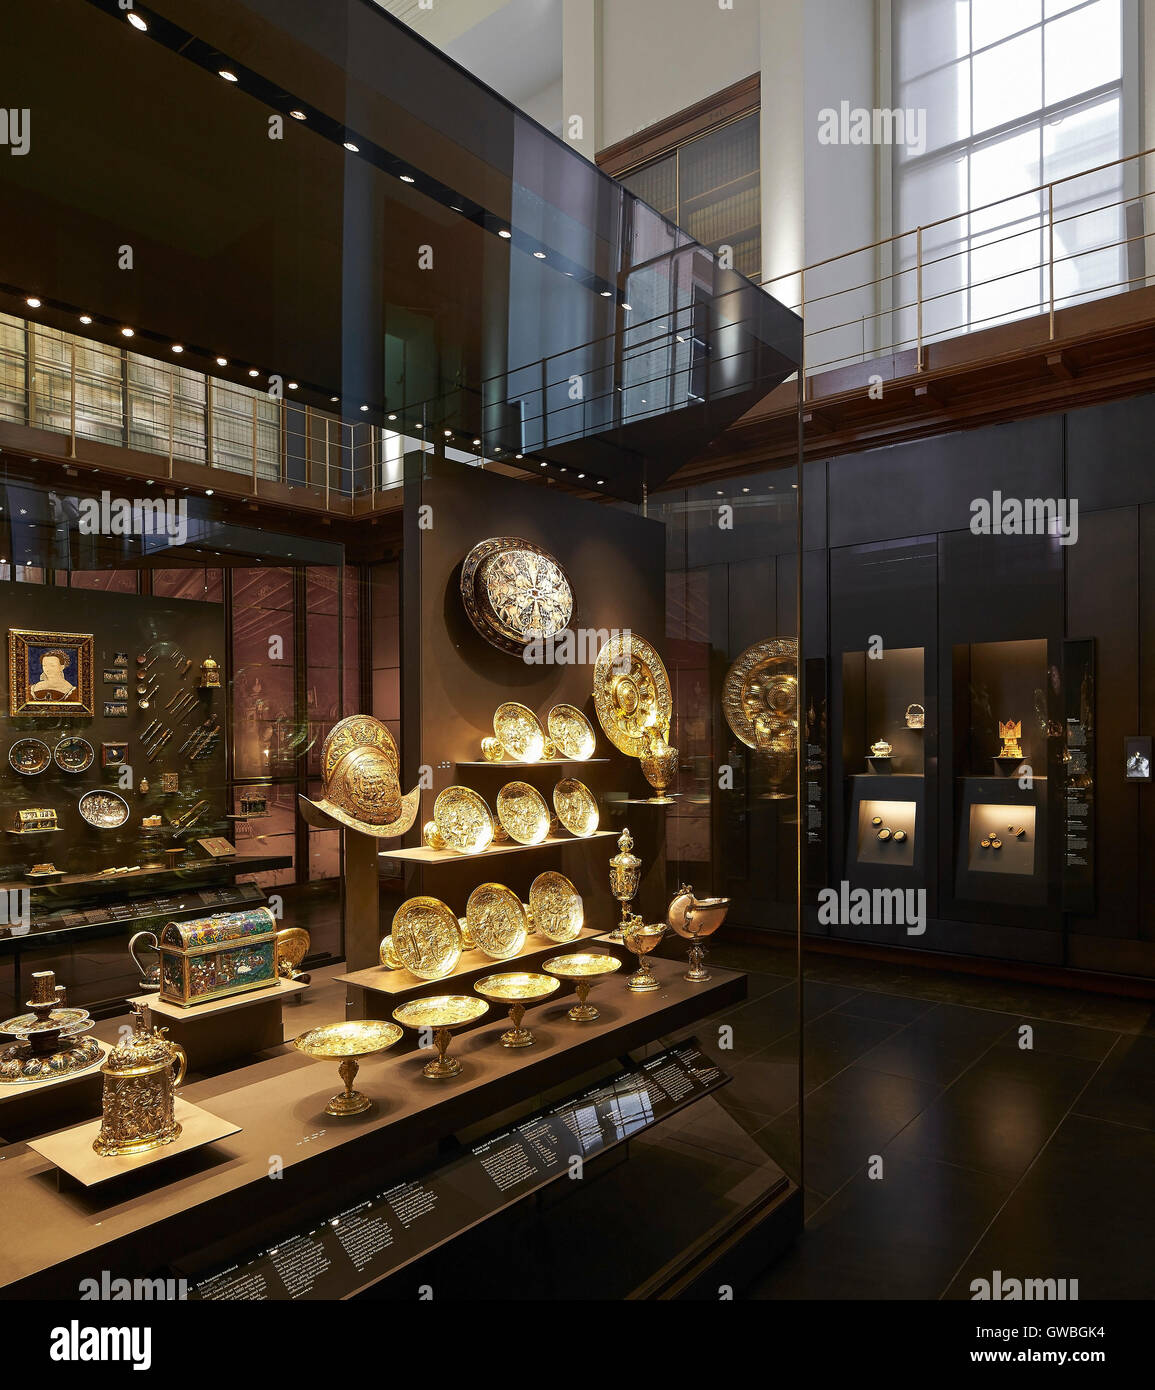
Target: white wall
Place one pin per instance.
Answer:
(660, 56)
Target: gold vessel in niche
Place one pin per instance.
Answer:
(576, 807)
(464, 820)
(583, 970)
(625, 875)
(347, 1043)
(433, 837)
(572, 735)
(141, 1075)
(660, 767)
(441, 1014)
(555, 907)
(519, 732)
(497, 922)
(695, 919)
(641, 939)
(522, 811)
(515, 593)
(518, 990)
(631, 692)
(1010, 733)
(492, 749)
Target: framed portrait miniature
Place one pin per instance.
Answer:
(49, 673)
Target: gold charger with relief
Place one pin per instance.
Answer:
(441, 1013)
(522, 811)
(497, 921)
(463, 820)
(556, 907)
(519, 732)
(425, 938)
(518, 989)
(631, 693)
(515, 593)
(571, 732)
(576, 807)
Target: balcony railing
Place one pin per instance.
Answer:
(1036, 252)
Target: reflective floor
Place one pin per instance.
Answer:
(986, 1153)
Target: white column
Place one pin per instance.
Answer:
(580, 84)
(781, 40)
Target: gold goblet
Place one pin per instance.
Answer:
(441, 1014)
(518, 989)
(625, 875)
(349, 1042)
(641, 939)
(584, 969)
(696, 918)
(660, 767)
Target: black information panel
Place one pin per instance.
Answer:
(374, 1237)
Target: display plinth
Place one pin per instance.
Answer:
(224, 1029)
(28, 1106)
(71, 1151)
(395, 986)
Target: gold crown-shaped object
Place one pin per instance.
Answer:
(362, 790)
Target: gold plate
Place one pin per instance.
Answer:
(585, 965)
(522, 811)
(497, 921)
(519, 732)
(515, 593)
(356, 1038)
(387, 955)
(555, 907)
(441, 1011)
(631, 693)
(426, 938)
(464, 820)
(576, 807)
(571, 732)
(517, 987)
(760, 694)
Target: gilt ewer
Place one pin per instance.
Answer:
(141, 1075)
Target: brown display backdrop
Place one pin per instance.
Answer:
(454, 679)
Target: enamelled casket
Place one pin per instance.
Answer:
(211, 957)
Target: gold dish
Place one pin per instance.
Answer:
(760, 702)
(497, 921)
(464, 820)
(576, 807)
(631, 693)
(584, 970)
(441, 1014)
(641, 939)
(519, 732)
(515, 593)
(426, 938)
(104, 810)
(29, 756)
(571, 732)
(555, 907)
(387, 955)
(491, 749)
(432, 836)
(517, 989)
(522, 812)
(347, 1043)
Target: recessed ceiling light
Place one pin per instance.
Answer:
(292, 385)
(137, 22)
(506, 234)
(392, 417)
(745, 489)
(476, 443)
(353, 149)
(176, 347)
(334, 399)
(542, 465)
(679, 337)
(253, 371)
(449, 434)
(86, 318)
(32, 302)
(364, 407)
(606, 294)
(518, 456)
(407, 178)
(298, 115)
(227, 75)
(417, 426)
(601, 482)
(222, 361)
(581, 475)
(208, 492)
(627, 306)
(126, 332)
(539, 255)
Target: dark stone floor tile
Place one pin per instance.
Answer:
(1085, 1211)
(1063, 1039)
(898, 1237)
(767, 1082)
(925, 1056)
(1062, 1078)
(1123, 1089)
(835, 1040)
(993, 1123)
(962, 1021)
(818, 999)
(888, 1008)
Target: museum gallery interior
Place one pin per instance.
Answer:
(587, 633)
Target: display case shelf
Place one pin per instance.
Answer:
(541, 762)
(422, 854)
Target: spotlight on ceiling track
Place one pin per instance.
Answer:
(504, 232)
(32, 302)
(86, 318)
(222, 361)
(407, 178)
(298, 115)
(353, 149)
(227, 75)
(137, 21)
(126, 332)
